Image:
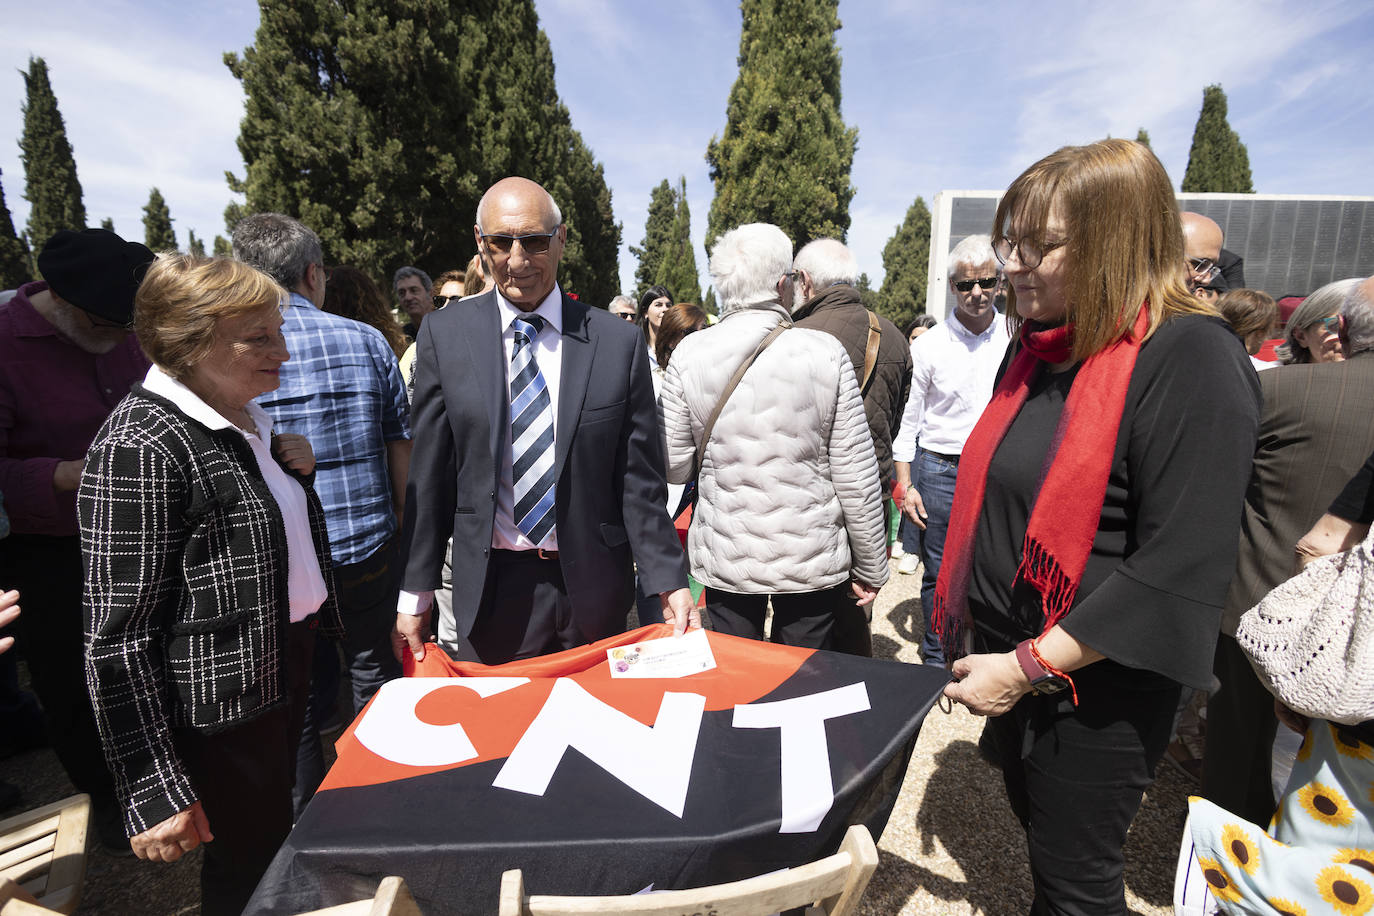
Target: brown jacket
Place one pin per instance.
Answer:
(838, 311)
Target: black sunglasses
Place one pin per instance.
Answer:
(441, 301)
(535, 243)
(965, 286)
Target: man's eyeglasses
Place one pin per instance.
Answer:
(534, 243)
(1203, 267)
(1029, 253)
(628, 316)
(966, 286)
(441, 301)
(105, 324)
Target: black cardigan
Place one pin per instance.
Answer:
(1165, 547)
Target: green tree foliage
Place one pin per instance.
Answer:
(657, 229)
(194, 245)
(157, 224)
(708, 305)
(1142, 136)
(223, 248)
(678, 270)
(786, 153)
(380, 125)
(906, 257)
(107, 224)
(14, 254)
(51, 186)
(869, 296)
(1217, 161)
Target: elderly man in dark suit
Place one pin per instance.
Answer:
(537, 449)
(1315, 433)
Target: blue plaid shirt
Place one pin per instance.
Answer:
(343, 391)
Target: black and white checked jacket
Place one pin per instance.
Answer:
(186, 593)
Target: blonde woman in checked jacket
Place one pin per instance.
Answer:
(206, 576)
(788, 502)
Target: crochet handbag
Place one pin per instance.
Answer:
(1311, 640)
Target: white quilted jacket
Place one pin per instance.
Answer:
(788, 494)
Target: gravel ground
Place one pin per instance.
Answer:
(951, 847)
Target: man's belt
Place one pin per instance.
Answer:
(952, 459)
(538, 554)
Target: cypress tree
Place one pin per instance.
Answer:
(108, 224)
(1217, 161)
(708, 305)
(15, 268)
(157, 224)
(380, 126)
(906, 257)
(194, 245)
(786, 153)
(678, 271)
(51, 186)
(223, 248)
(869, 296)
(1142, 136)
(657, 230)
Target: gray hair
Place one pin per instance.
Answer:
(1323, 303)
(405, 273)
(622, 300)
(973, 251)
(279, 246)
(1358, 312)
(827, 262)
(746, 264)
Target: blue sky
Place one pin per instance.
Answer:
(945, 96)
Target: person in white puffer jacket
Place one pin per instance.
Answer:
(788, 503)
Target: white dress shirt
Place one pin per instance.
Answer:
(952, 375)
(304, 580)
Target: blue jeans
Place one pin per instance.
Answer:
(933, 477)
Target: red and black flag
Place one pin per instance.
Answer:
(594, 784)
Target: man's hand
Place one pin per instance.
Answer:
(914, 508)
(863, 594)
(680, 610)
(295, 452)
(66, 477)
(988, 684)
(411, 632)
(174, 837)
(9, 613)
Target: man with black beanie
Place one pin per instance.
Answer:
(69, 359)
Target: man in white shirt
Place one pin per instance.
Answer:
(953, 369)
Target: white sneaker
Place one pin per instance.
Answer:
(897, 550)
(909, 564)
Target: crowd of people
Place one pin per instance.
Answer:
(272, 479)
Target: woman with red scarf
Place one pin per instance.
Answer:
(1097, 509)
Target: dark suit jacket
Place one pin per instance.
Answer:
(1315, 433)
(610, 497)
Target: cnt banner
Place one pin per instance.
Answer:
(640, 760)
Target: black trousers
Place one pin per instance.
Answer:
(243, 778)
(1240, 737)
(1075, 781)
(47, 571)
(804, 619)
(524, 612)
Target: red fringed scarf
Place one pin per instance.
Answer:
(1069, 504)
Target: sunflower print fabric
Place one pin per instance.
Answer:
(1319, 859)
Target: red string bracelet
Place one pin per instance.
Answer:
(1035, 653)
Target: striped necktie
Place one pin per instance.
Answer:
(531, 434)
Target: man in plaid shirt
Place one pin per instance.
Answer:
(343, 391)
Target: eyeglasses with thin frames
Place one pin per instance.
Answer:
(1030, 253)
(534, 243)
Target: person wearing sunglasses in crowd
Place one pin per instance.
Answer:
(622, 307)
(549, 521)
(1097, 510)
(1314, 331)
(954, 366)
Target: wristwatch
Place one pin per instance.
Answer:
(1042, 682)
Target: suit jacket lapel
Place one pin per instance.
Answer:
(578, 348)
(483, 326)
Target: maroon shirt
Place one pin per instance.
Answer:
(54, 397)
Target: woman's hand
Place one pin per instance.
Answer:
(295, 452)
(9, 613)
(988, 684)
(174, 837)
